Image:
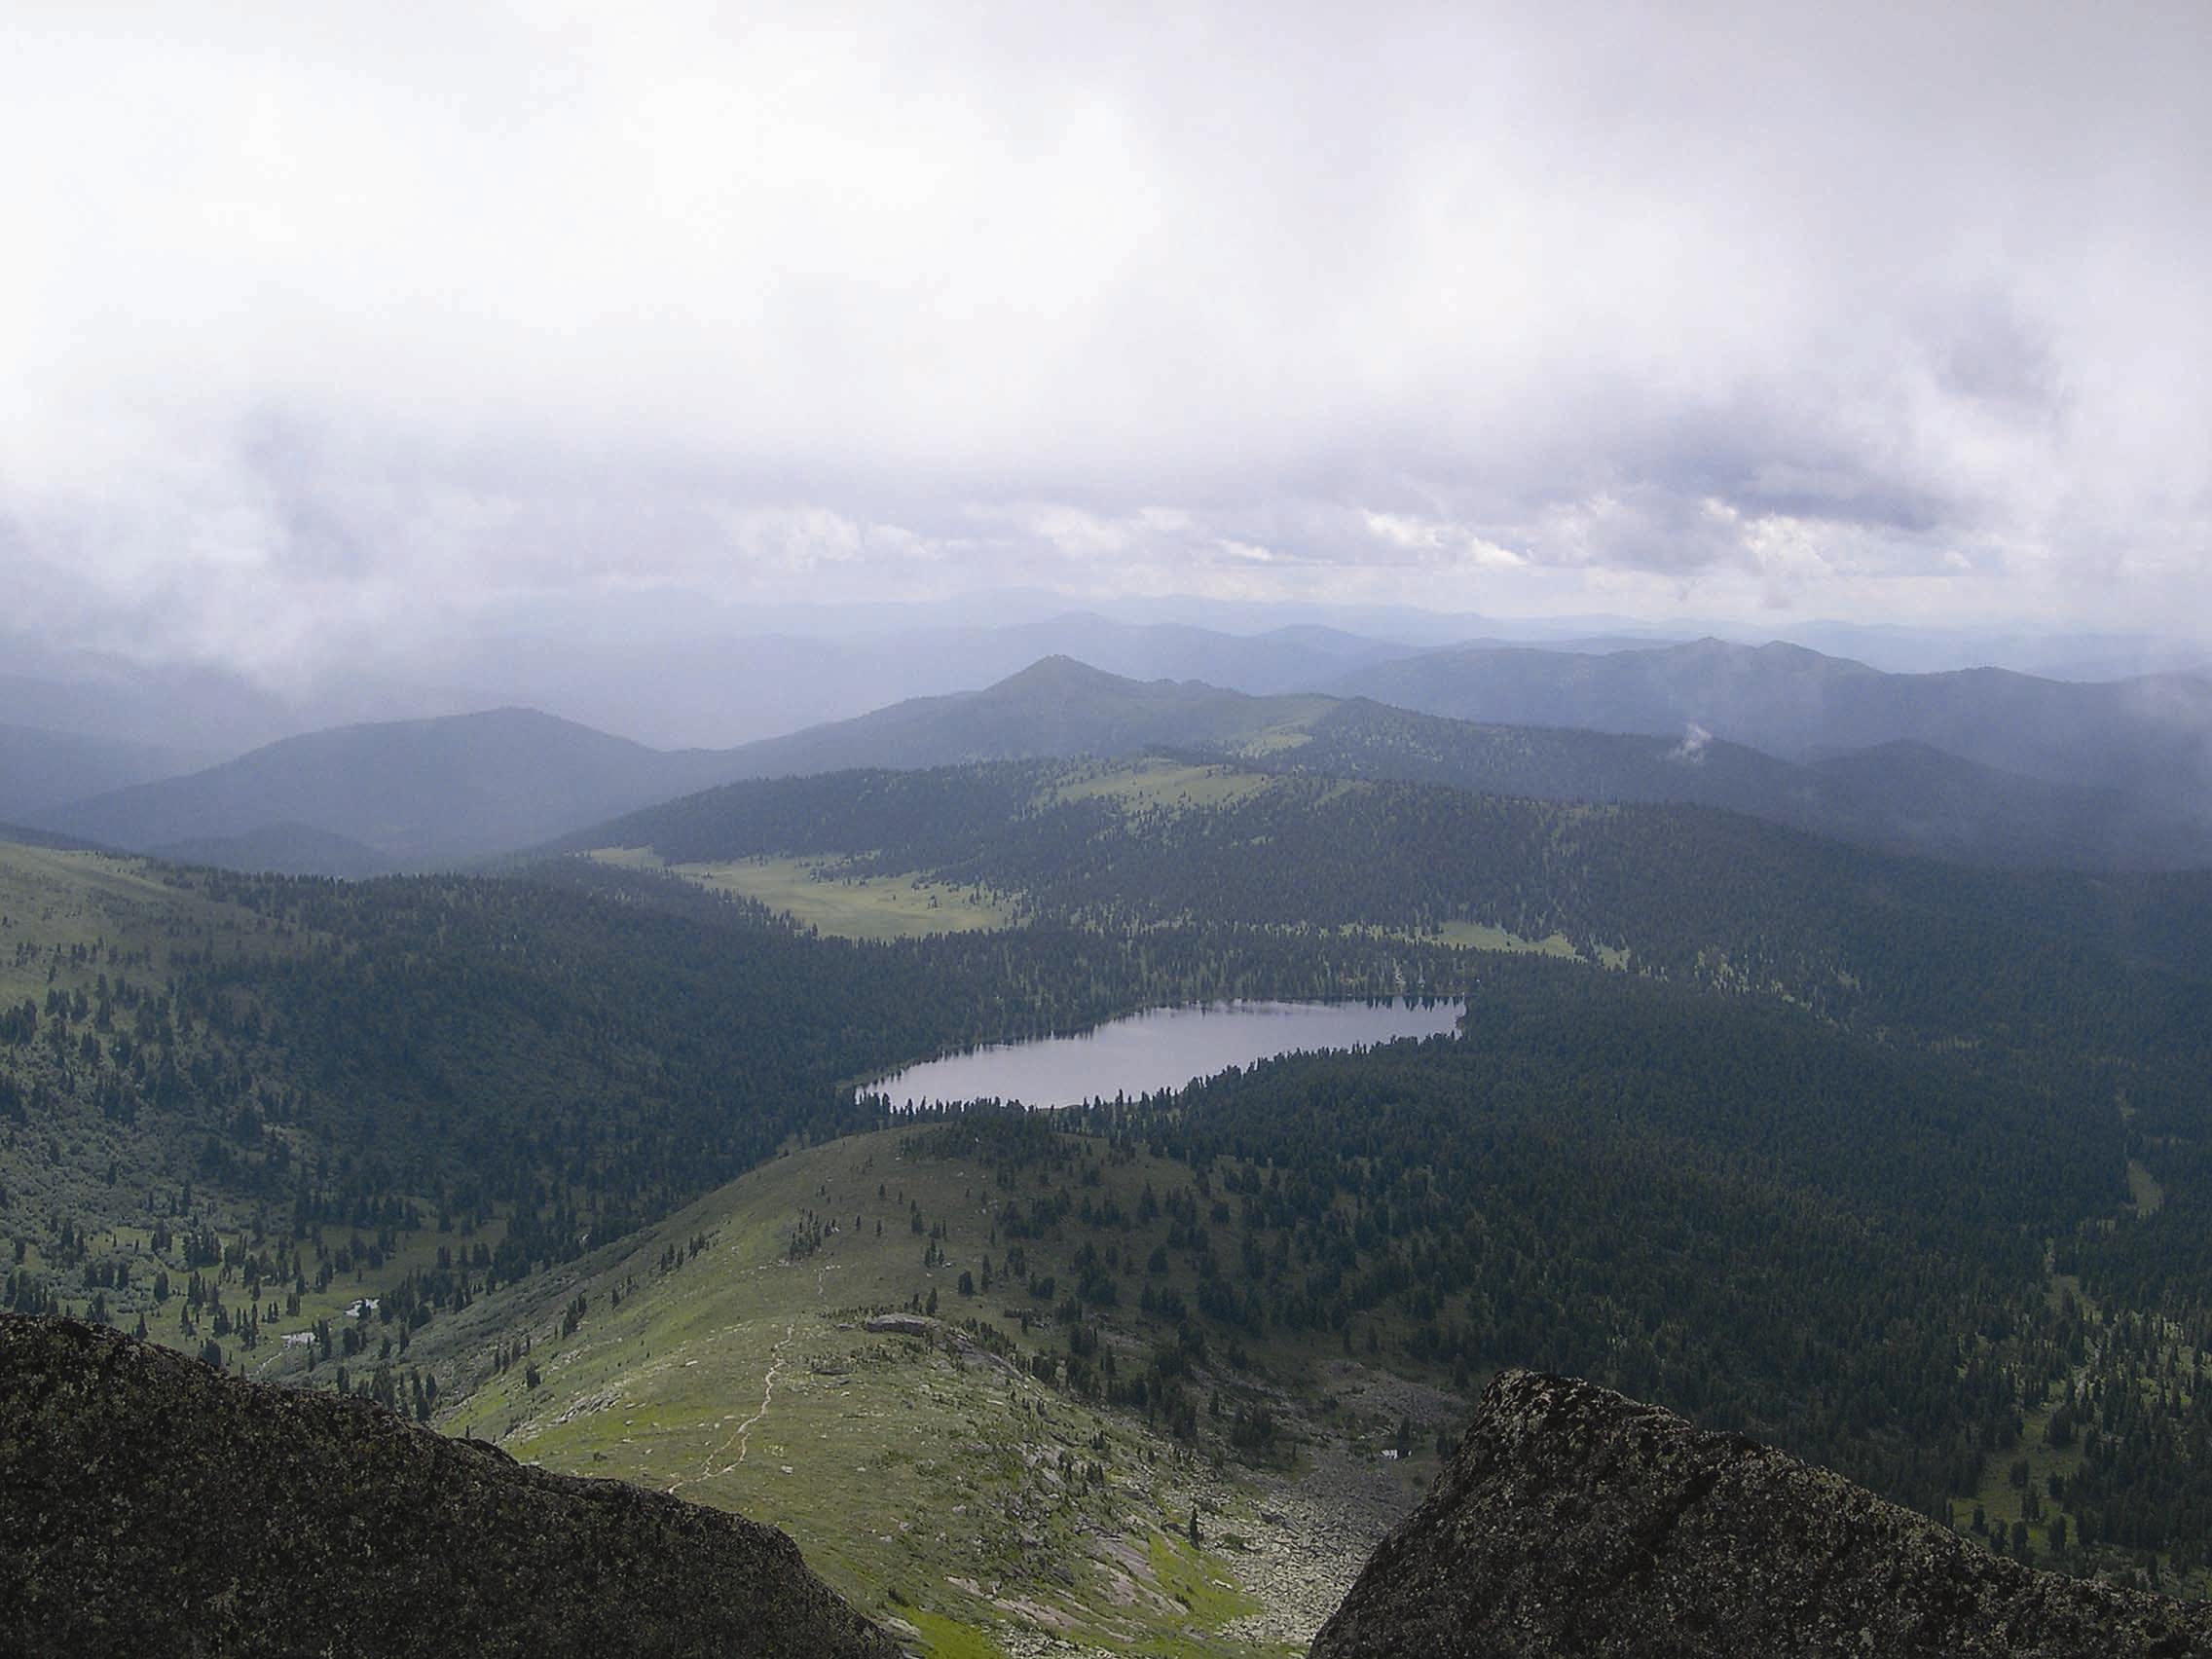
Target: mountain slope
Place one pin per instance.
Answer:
(282, 849)
(770, 1354)
(416, 792)
(150, 1505)
(719, 690)
(358, 800)
(1686, 891)
(41, 769)
(505, 1067)
(1714, 1201)
(1900, 796)
(1057, 707)
(2148, 738)
(1574, 1524)
(1908, 796)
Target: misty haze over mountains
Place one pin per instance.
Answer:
(2150, 736)
(1980, 765)
(725, 676)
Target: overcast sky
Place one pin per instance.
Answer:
(322, 325)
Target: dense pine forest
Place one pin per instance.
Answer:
(2108, 967)
(1900, 1165)
(559, 1059)
(1909, 1268)
(1906, 1194)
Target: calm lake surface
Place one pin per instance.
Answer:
(1165, 1048)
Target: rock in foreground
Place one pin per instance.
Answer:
(1573, 1523)
(148, 1505)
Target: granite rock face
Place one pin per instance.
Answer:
(150, 1506)
(1572, 1523)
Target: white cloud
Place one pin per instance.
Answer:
(310, 312)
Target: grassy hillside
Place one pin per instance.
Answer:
(951, 1479)
(815, 894)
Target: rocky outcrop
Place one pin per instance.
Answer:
(148, 1505)
(1573, 1523)
(937, 1334)
(904, 1325)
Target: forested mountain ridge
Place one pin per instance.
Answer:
(2108, 966)
(355, 801)
(360, 800)
(1057, 708)
(1896, 795)
(2148, 738)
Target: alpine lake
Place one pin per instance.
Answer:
(1161, 1048)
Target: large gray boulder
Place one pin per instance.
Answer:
(150, 1506)
(1572, 1523)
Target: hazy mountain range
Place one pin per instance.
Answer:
(1901, 797)
(2150, 736)
(1983, 766)
(40, 770)
(707, 677)
(403, 793)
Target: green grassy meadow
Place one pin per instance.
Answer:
(1158, 782)
(812, 891)
(936, 1481)
(64, 915)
